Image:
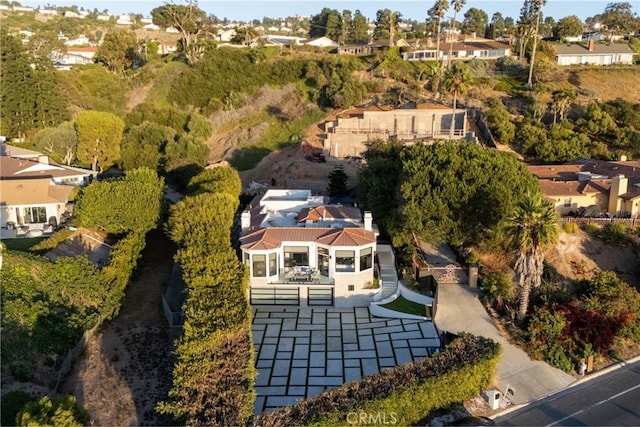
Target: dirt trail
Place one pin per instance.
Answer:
(126, 368)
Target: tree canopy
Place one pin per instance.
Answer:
(132, 203)
(99, 135)
(30, 94)
(459, 192)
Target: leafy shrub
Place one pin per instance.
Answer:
(411, 391)
(12, 403)
(570, 227)
(615, 233)
(214, 373)
(61, 411)
(592, 229)
(497, 287)
(52, 242)
(500, 121)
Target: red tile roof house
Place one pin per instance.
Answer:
(34, 193)
(301, 251)
(614, 186)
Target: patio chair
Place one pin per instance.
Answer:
(289, 274)
(315, 276)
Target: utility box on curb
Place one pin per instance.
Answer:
(494, 397)
(473, 276)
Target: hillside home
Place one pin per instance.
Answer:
(467, 48)
(75, 55)
(321, 42)
(348, 134)
(226, 35)
(151, 27)
(302, 251)
(124, 20)
(594, 54)
(72, 14)
(35, 192)
(50, 12)
(613, 186)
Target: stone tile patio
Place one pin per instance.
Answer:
(302, 352)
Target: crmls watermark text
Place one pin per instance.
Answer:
(376, 418)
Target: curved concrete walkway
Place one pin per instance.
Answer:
(460, 310)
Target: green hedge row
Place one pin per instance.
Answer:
(214, 373)
(403, 395)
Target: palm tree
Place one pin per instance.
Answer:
(457, 80)
(437, 11)
(532, 226)
(538, 5)
(457, 7)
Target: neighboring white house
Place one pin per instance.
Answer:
(226, 35)
(321, 42)
(151, 27)
(103, 17)
(301, 251)
(35, 192)
(594, 54)
(124, 20)
(81, 40)
(47, 12)
(72, 14)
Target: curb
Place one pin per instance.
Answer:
(576, 383)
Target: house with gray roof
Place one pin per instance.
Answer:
(594, 53)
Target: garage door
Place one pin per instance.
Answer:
(275, 296)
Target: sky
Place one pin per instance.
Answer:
(410, 9)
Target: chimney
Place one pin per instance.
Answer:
(618, 187)
(43, 159)
(590, 45)
(368, 221)
(245, 220)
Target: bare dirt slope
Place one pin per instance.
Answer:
(245, 126)
(579, 255)
(288, 168)
(126, 368)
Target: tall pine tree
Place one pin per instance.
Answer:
(30, 95)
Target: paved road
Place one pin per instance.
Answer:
(612, 399)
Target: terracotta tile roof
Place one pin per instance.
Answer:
(567, 172)
(572, 188)
(271, 238)
(32, 192)
(347, 237)
(327, 213)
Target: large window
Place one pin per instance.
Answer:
(296, 255)
(273, 264)
(35, 215)
(259, 265)
(366, 259)
(345, 261)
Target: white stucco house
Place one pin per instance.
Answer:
(321, 42)
(301, 251)
(34, 191)
(594, 54)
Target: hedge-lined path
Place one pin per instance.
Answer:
(302, 352)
